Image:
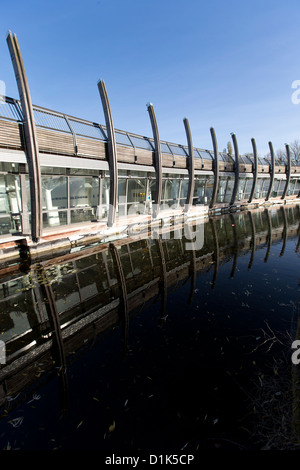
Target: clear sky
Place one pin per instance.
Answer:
(229, 64)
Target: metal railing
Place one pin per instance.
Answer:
(10, 109)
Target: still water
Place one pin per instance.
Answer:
(143, 345)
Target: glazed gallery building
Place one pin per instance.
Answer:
(80, 179)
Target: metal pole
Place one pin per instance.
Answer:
(157, 160)
(216, 168)
(272, 171)
(288, 176)
(191, 165)
(32, 149)
(112, 154)
(236, 169)
(255, 170)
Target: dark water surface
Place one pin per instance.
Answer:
(191, 351)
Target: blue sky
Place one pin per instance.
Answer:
(224, 64)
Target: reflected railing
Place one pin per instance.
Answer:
(58, 306)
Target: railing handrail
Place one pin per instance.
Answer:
(263, 160)
(92, 124)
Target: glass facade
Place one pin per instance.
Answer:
(278, 187)
(135, 194)
(226, 184)
(244, 188)
(72, 196)
(10, 204)
(203, 187)
(262, 187)
(69, 199)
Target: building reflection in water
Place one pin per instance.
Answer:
(60, 306)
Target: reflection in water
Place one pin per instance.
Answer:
(191, 330)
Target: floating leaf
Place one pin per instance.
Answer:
(112, 427)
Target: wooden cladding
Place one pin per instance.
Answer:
(55, 142)
(11, 135)
(62, 143)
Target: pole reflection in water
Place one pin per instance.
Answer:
(140, 344)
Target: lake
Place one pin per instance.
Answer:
(146, 344)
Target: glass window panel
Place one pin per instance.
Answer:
(291, 187)
(165, 148)
(10, 203)
(9, 167)
(248, 188)
(84, 172)
(265, 187)
(183, 192)
(48, 170)
(51, 121)
(136, 190)
(206, 155)
(196, 153)
(54, 218)
(86, 129)
(199, 190)
(141, 142)
(122, 182)
(85, 214)
(229, 189)
(84, 191)
(243, 188)
(103, 209)
(222, 188)
(227, 158)
(178, 150)
(10, 111)
(152, 189)
(4, 205)
(275, 188)
(137, 174)
(258, 188)
(281, 187)
(11, 185)
(172, 190)
(297, 187)
(54, 192)
(122, 139)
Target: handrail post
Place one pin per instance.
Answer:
(31, 144)
(216, 168)
(112, 154)
(255, 170)
(288, 176)
(272, 172)
(157, 160)
(191, 166)
(236, 169)
(73, 134)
